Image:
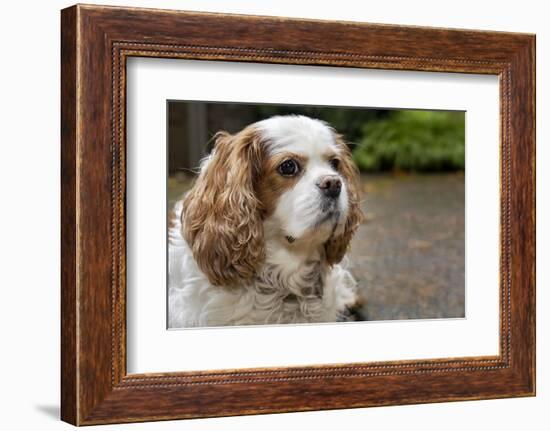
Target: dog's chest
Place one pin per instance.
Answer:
(280, 296)
(308, 282)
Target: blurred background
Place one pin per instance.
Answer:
(408, 256)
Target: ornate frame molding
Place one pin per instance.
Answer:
(96, 41)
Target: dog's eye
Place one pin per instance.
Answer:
(334, 163)
(289, 168)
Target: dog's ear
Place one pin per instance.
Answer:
(337, 245)
(222, 216)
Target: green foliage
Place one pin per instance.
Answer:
(410, 140)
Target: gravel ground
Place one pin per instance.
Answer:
(408, 256)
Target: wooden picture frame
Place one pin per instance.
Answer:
(95, 43)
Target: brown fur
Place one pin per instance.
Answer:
(337, 246)
(222, 215)
(272, 184)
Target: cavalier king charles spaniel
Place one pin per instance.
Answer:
(261, 236)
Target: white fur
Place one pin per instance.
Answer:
(298, 208)
(293, 285)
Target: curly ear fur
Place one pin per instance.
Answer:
(222, 216)
(337, 246)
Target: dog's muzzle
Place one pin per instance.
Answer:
(330, 186)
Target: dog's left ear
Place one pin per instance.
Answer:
(222, 215)
(337, 245)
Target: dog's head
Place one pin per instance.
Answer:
(289, 179)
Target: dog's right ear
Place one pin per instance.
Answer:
(337, 245)
(221, 218)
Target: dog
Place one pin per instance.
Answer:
(261, 236)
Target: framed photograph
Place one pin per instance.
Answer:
(263, 214)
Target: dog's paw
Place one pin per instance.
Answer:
(356, 311)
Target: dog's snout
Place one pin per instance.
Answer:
(330, 185)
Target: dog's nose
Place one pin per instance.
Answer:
(330, 185)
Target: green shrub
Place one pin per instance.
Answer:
(412, 141)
